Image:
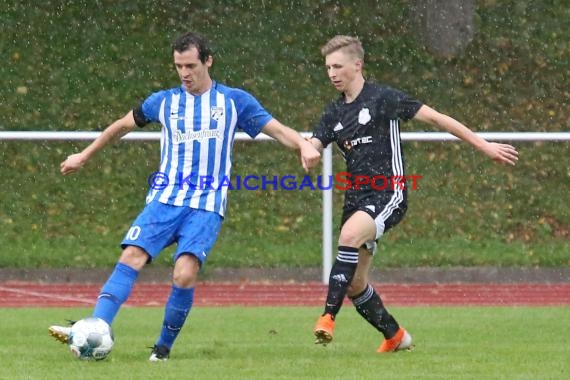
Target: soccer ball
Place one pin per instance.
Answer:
(91, 338)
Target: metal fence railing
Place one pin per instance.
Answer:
(326, 159)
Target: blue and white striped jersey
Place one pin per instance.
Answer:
(196, 142)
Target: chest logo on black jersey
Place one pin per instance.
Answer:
(216, 112)
(364, 116)
(349, 144)
(338, 127)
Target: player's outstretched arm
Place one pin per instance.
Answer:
(116, 130)
(290, 138)
(502, 153)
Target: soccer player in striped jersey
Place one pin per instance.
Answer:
(365, 124)
(199, 120)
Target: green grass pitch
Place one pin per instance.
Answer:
(276, 343)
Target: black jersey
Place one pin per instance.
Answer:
(367, 131)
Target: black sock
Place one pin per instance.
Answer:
(370, 307)
(340, 278)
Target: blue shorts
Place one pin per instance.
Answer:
(160, 225)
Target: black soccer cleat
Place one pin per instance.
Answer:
(159, 354)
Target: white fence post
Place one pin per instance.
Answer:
(327, 214)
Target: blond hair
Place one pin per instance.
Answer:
(350, 45)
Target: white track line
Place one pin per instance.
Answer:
(47, 295)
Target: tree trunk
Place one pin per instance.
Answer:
(445, 27)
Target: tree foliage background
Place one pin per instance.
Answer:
(78, 65)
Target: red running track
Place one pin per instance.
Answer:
(20, 294)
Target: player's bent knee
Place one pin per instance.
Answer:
(184, 277)
(185, 272)
(134, 257)
(352, 238)
(349, 239)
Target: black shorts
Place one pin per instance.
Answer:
(386, 208)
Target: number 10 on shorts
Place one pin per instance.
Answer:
(134, 233)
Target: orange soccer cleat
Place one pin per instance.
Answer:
(324, 329)
(401, 341)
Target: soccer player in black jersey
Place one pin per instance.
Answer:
(365, 124)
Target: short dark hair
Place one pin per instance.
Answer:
(193, 39)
